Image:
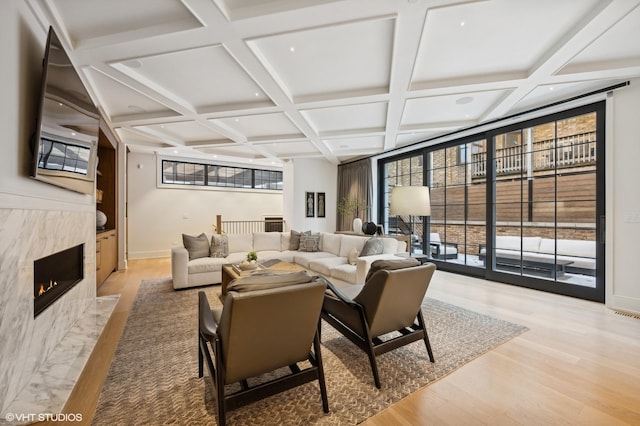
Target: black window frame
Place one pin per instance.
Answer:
(226, 176)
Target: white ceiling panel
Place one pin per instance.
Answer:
(348, 117)
(365, 145)
(332, 60)
(267, 126)
(120, 100)
(614, 46)
(188, 132)
(492, 38)
(86, 20)
(204, 78)
(458, 108)
(292, 149)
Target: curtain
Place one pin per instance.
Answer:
(355, 187)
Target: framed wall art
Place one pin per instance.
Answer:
(310, 204)
(320, 205)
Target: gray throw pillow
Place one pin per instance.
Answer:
(309, 242)
(294, 240)
(196, 246)
(372, 246)
(391, 264)
(219, 245)
(268, 281)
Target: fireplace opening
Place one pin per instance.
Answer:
(56, 274)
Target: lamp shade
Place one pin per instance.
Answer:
(410, 201)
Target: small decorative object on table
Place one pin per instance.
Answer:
(251, 262)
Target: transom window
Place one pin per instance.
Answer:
(199, 174)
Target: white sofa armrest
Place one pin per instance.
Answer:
(179, 266)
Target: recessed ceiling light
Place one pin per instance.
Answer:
(462, 23)
(464, 100)
(257, 94)
(175, 151)
(73, 133)
(551, 88)
(236, 120)
(292, 49)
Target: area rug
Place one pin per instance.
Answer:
(153, 378)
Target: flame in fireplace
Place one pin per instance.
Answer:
(43, 290)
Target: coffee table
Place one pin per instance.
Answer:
(232, 271)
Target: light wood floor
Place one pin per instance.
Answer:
(579, 364)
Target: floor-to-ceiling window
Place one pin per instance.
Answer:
(522, 203)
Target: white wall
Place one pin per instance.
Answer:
(623, 198)
(36, 219)
(304, 175)
(158, 216)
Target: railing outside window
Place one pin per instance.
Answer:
(570, 151)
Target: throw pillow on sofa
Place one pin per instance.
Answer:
(353, 256)
(309, 242)
(219, 245)
(294, 239)
(196, 246)
(372, 246)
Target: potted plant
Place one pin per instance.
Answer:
(352, 205)
(251, 262)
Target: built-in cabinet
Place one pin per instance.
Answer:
(106, 202)
(106, 255)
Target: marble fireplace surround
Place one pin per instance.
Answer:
(26, 235)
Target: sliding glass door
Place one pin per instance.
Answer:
(545, 204)
(522, 204)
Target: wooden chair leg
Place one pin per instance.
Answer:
(321, 381)
(426, 336)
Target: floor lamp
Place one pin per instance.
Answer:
(410, 201)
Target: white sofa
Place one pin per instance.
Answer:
(580, 253)
(330, 261)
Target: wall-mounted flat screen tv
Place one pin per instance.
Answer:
(65, 141)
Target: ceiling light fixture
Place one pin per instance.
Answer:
(292, 49)
(551, 88)
(462, 23)
(257, 94)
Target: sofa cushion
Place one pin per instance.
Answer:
(268, 281)
(391, 264)
(303, 258)
(197, 247)
(330, 243)
(240, 243)
(263, 241)
(285, 241)
(309, 242)
(346, 273)
(205, 264)
(372, 247)
(510, 242)
(578, 248)
(349, 242)
(323, 265)
(390, 245)
(219, 245)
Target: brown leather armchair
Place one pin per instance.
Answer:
(257, 332)
(388, 302)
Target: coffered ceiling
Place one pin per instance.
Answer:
(266, 81)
